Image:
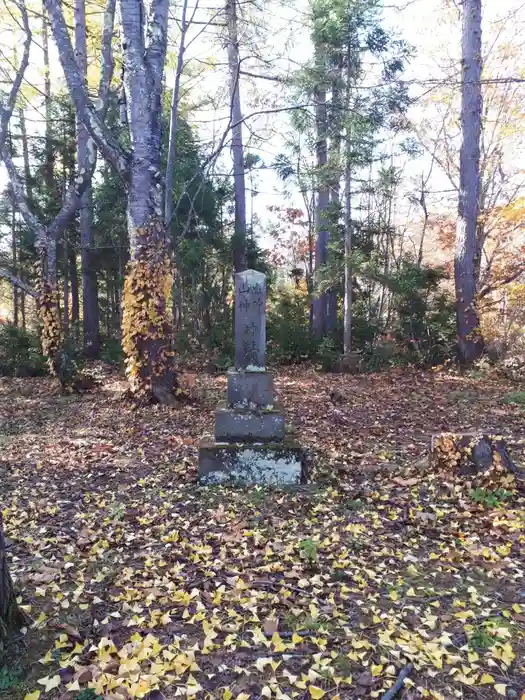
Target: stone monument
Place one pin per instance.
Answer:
(250, 445)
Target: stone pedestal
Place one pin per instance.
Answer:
(250, 445)
(251, 425)
(250, 389)
(272, 463)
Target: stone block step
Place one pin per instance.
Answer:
(250, 388)
(234, 424)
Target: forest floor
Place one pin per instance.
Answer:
(137, 582)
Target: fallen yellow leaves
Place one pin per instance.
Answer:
(202, 593)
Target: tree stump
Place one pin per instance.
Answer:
(471, 454)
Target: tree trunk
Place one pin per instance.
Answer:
(336, 134)
(14, 262)
(65, 252)
(146, 331)
(28, 192)
(25, 154)
(174, 114)
(45, 236)
(469, 334)
(49, 166)
(237, 147)
(73, 280)
(471, 454)
(347, 320)
(319, 321)
(90, 316)
(146, 327)
(48, 301)
(11, 618)
(23, 309)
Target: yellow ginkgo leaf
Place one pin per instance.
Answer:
(50, 682)
(316, 692)
(501, 689)
(227, 694)
(486, 678)
(32, 696)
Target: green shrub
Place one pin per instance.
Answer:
(309, 551)
(288, 331)
(425, 316)
(515, 397)
(10, 678)
(489, 498)
(20, 354)
(328, 354)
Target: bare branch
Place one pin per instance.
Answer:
(7, 110)
(157, 44)
(274, 78)
(104, 139)
(168, 203)
(501, 283)
(17, 282)
(107, 58)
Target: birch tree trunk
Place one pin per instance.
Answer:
(90, 315)
(469, 335)
(146, 327)
(237, 147)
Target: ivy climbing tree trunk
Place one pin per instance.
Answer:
(146, 328)
(46, 235)
(469, 334)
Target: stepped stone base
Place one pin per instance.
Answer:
(274, 464)
(236, 424)
(250, 389)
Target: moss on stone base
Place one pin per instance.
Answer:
(276, 463)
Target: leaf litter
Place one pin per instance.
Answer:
(139, 583)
